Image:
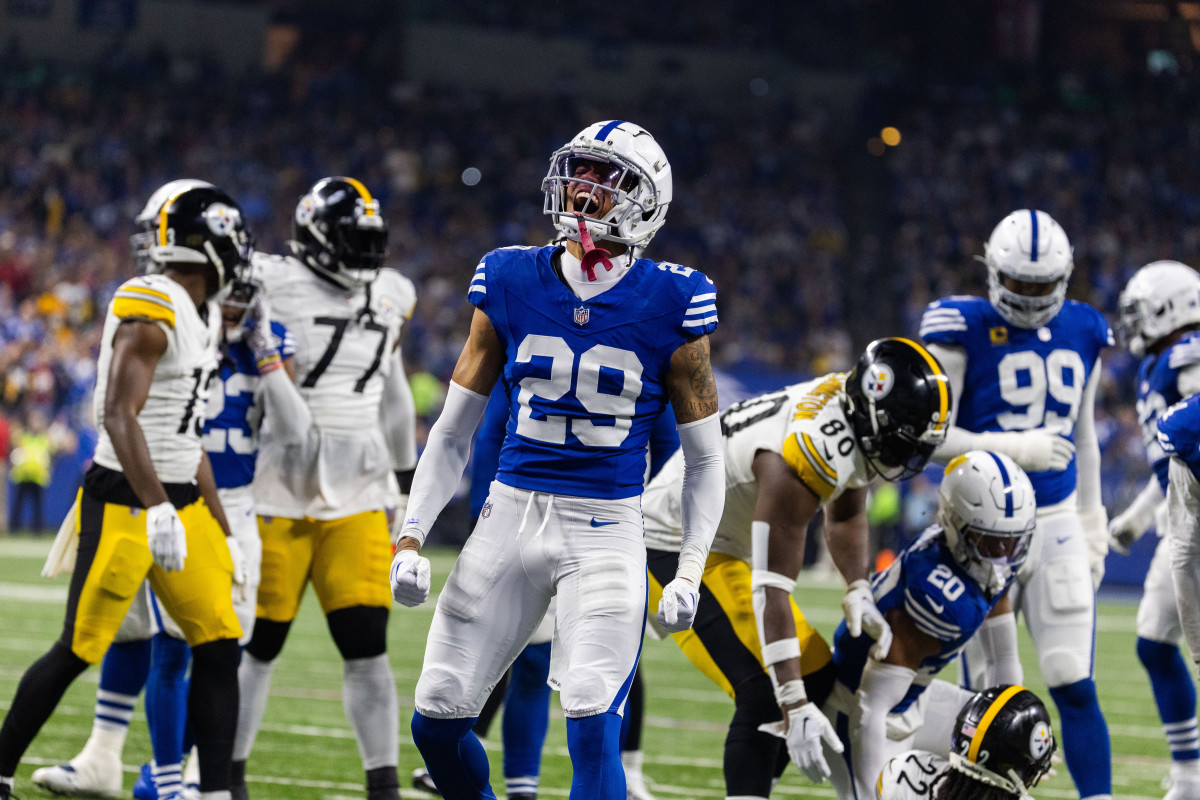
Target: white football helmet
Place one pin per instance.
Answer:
(1159, 299)
(1029, 246)
(147, 219)
(988, 513)
(640, 179)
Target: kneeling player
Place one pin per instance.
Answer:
(1002, 747)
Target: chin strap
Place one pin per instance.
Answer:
(592, 255)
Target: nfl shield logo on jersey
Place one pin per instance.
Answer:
(582, 314)
(487, 510)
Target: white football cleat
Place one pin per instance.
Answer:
(1185, 785)
(92, 773)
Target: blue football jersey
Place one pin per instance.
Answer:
(233, 412)
(1019, 379)
(1179, 432)
(942, 600)
(586, 377)
(1158, 390)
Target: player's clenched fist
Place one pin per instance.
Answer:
(677, 608)
(410, 578)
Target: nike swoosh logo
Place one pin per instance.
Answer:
(938, 607)
(596, 524)
(1061, 539)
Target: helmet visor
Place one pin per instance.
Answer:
(361, 246)
(597, 172)
(1002, 548)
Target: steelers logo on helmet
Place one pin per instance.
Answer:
(306, 209)
(222, 220)
(1040, 740)
(877, 381)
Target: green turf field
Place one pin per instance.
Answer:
(306, 748)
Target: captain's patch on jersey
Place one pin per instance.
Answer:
(998, 335)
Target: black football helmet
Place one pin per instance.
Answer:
(200, 225)
(898, 401)
(339, 233)
(1003, 738)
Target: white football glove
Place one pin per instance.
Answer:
(1126, 528)
(677, 608)
(1095, 532)
(166, 537)
(806, 730)
(1038, 450)
(240, 569)
(858, 606)
(410, 578)
(260, 340)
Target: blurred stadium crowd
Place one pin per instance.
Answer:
(815, 253)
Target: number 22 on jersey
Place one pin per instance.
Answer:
(585, 372)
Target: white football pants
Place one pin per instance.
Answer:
(526, 548)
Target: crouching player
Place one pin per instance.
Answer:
(935, 596)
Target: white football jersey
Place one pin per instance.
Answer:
(174, 410)
(910, 776)
(805, 423)
(345, 343)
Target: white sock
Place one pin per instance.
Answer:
(523, 785)
(110, 725)
(632, 761)
(215, 795)
(191, 770)
(254, 684)
(369, 697)
(168, 779)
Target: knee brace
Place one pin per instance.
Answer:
(268, 639)
(359, 631)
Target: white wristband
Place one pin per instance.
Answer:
(791, 693)
(764, 578)
(780, 650)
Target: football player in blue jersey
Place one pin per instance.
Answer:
(1160, 323)
(935, 595)
(1025, 364)
(591, 343)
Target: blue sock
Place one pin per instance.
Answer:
(526, 719)
(1086, 747)
(595, 745)
(122, 677)
(454, 757)
(1175, 696)
(166, 699)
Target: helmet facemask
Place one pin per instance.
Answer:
(236, 304)
(613, 162)
(990, 557)
(896, 452)
(1025, 310)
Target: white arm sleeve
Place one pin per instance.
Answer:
(882, 687)
(1183, 528)
(954, 362)
(441, 465)
(1087, 447)
(998, 637)
(282, 404)
(1188, 380)
(703, 492)
(398, 416)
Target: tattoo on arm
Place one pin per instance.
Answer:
(693, 387)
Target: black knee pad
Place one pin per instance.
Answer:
(359, 631)
(267, 639)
